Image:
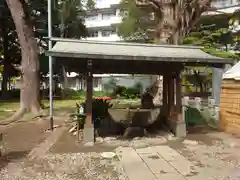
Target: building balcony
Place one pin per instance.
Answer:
(224, 3)
(106, 3)
(103, 22)
(111, 38)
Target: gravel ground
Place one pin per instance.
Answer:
(215, 156)
(218, 160)
(75, 166)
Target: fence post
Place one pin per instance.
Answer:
(217, 113)
(185, 102)
(211, 105)
(198, 103)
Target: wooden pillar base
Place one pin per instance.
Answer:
(88, 136)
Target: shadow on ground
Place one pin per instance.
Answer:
(13, 156)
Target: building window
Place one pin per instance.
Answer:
(92, 18)
(93, 34)
(107, 16)
(123, 13)
(107, 33)
(95, 82)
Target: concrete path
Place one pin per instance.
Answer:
(164, 163)
(154, 163)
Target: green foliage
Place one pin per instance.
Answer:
(100, 93)
(90, 4)
(71, 15)
(128, 93)
(79, 117)
(99, 112)
(72, 12)
(222, 54)
(72, 94)
(211, 39)
(234, 24)
(80, 94)
(100, 108)
(110, 85)
(209, 36)
(193, 117)
(134, 25)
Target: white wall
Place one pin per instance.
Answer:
(106, 3)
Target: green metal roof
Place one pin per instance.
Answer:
(130, 51)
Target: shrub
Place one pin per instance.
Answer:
(100, 93)
(119, 91)
(129, 93)
(132, 93)
(13, 94)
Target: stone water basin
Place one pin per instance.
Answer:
(136, 117)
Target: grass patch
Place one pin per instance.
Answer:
(60, 106)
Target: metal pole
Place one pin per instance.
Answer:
(50, 63)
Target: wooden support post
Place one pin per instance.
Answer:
(89, 92)
(89, 127)
(170, 94)
(165, 96)
(179, 125)
(178, 97)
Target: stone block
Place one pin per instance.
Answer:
(178, 127)
(88, 135)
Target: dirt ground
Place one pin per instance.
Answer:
(210, 151)
(67, 144)
(19, 139)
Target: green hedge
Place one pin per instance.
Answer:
(120, 91)
(128, 93)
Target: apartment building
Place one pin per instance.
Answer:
(102, 22)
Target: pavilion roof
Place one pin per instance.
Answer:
(83, 49)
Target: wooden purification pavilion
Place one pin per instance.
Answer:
(91, 57)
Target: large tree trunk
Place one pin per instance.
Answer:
(30, 87)
(64, 80)
(5, 79)
(6, 64)
(64, 77)
(166, 33)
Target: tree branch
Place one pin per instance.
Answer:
(153, 3)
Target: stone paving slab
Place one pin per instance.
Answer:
(133, 165)
(157, 164)
(170, 176)
(179, 162)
